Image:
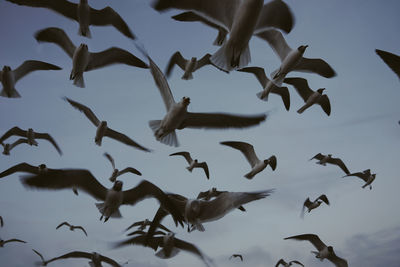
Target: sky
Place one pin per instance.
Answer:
(361, 224)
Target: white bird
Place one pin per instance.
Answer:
(287, 264)
(117, 172)
(82, 59)
(188, 66)
(83, 14)
(240, 18)
(3, 242)
(309, 96)
(31, 136)
(324, 252)
(178, 117)
(366, 175)
(103, 129)
(292, 59)
(94, 257)
(72, 227)
(392, 60)
(324, 159)
(9, 77)
(193, 163)
(8, 146)
(256, 164)
(310, 205)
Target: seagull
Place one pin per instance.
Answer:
(236, 256)
(178, 117)
(292, 59)
(7, 147)
(143, 224)
(9, 77)
(241, 19)
(309, 96)
(324, 159)
(113, 198)
(366, 175)
(324, 252)
(256, 164)
(188, 66)
(83, 14)
(287, 264)
(94, 257)
(82, 59)
(212, 193)
(103, 129)
(268, 86)
(31, 136)
(392, 60)
(43, 262)
(1, 221)
(117, 172)
(193, 163)
(315, 204)
(3, 242)
(72, 227)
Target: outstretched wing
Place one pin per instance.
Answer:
(315, 65)
(57, 36)
(13, 131)
(74, 254)
(63, 223)
(246, 149)
(301, 86)
(131, 170)
(32, 65)
(87, 111)
(50, 139)
(314, 239)
(259, 73)
(83, 230)
(177, 59)
(324, 198)
(220, 120)
(18, 142)
(319, 156)
(205, 60)
(108, 156)
(39, 254)
(275, 14)
(392, 60)
(124, 139)
(189, 247)
(185, 154)
(340, 163)
(205, 168)
(22, 167)
(275, 39)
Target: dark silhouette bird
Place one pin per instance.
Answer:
(366, 175)
(117, 172)
(103, 129)
(392, 60)
(3, 242)
(72, 227)
(1, 221)
(9, 77)
(31, 136)
(287, 264)
(310, 205)
(83, 14)
(95, 258)
(236, 256)
(324, 159)
(143, 224)
(193, 163)
(43, 261)
(82, 59)
(324, 252)
(8, 146)
(188, 66)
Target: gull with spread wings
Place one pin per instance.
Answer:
(288, 264)
(94, 257)
(310, 205)
(117, 172)
(366, 176)
(193, 163)
(188, 66)
(324, 159)
(3, 242)
(8, 146)
(72, 227)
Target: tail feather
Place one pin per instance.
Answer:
(302, 109)
(221, 58)
(261, 96)
(85, 32)
(13, 94)
(170, 139)
(78, 79)
(242, 198)
(154, 125)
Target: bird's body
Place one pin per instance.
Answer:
(72, 227)
(324, 159)
(193, 163)
(310, 205)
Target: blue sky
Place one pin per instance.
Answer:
(363, 130)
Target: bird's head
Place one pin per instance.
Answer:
(103, 124)
(330, 249)
(302, 48)
(118, 185)
(185, 101)
(83, 46)
(6, 68)
(321, 90)
(193, 59)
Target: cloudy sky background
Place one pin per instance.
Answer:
(361, 224)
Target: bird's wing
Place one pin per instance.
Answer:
(314, 239)
(246, 149)
(315, 65)
(114, 55)
(301, 86)
(87, 111)
(13, 131)
(281, 261)
(153, 242)
(129, 169)
(39, 254)
(325, 104)
(299, 263)
(220, 120)
(185, 154)
(307, 202)
(83, 230)
(205, 60)
(108, 16)
(63, 223)
(108, 156)
(14, 240)
(163, 228)
(359, 175)
(324, 198)
(32, 65)
(272, 162)
(340, 163)
(67, 178)
(205, 168)
(18, 142)
(177, 59)
(284, 93)
(339, 262)
(109, 261)
(74, 254)
(189, 247)
(275, 39)
(57, 36)
(259, 73)
(162, 84)
(124, 139)
(50, 139)
(392, 60)
(22, 167)
(275, 14)
(62, 7)
(319, 156)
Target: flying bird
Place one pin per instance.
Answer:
(309, 96)
(31, 136)
(112, 198)
(268, 86)
(188, 66)
(43, 262)
(392, 60)
(117, 172)
(72, 227)
(324, 159)
(193, 163)
(82, 59)
(9, 77)
(236, 256)
(287, 264)
(324, 252)
(310, 205)
(178, 117)
(83, 14)
(143, 224)
(366, 175)
(241, 19)
(8, 146)
(1, 221)
(95, 258)
(212, 193)
(3, 242)
(103, 129)
(256, 164)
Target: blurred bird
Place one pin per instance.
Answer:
(193, 163)
(117, 172)
(83, 14)
(94, 257)
(309, 96)
(42, 262)
(178, 117)
(315, 204)
(366, 175)
(324, 159)
(3, 242)
(212, 193)
(241, 19)
(103, 129)
(31, 136)
(188, 66)
(287, 264)
(236, 256)
(7, 147)
(256, 164)
(268, 86)
(9, 77)
(72, 227)
(143, 224)
(82, 59)
(324, 252)
(392, 60)
(1, 221)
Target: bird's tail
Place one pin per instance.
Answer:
(245, 197)
(262, 95)
(13, 93)
(168, 139)
(102, 208)
(161, 254)
(277, 77)
(84, 31)
(301, 110)
(78, 79)
(227, 58)
(187, 76)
